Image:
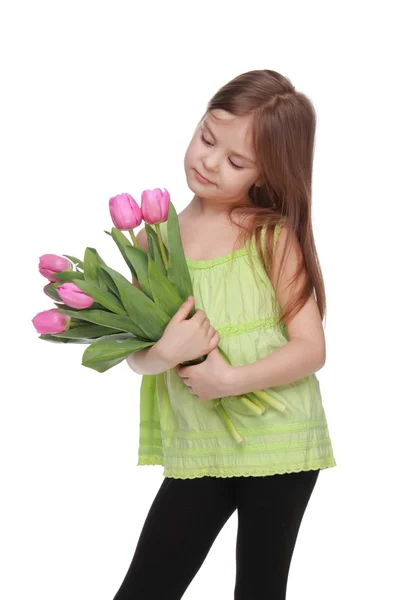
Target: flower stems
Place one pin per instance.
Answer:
(133, 238)
(161, 245)
(268, 399)
(226, 420)
(257, 408)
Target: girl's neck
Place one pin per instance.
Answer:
(209, 210)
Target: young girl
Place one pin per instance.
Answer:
(259, 295)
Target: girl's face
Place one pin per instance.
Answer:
(222, 152)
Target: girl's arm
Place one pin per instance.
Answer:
(149, 361)
(304, 354)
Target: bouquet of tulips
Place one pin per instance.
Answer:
(100, 307)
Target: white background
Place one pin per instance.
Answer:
(100, 98)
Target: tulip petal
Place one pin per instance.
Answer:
(71, 295)
(125, 212)
(106, 299)
(164, 205)
(50, 321)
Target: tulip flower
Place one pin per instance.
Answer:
(125, 212)
(52, 263)
(50, 321)
(71, 295)
(155, 206)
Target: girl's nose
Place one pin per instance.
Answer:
(211, 163)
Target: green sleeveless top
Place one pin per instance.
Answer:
(187, 436)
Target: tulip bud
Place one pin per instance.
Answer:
(52, 263)
(125, 212)
(71, 295)
(155, 206)
(49, 321)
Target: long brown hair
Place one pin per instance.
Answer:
(284, 123)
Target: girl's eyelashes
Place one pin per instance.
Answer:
(209, 144)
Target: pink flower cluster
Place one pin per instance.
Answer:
(126, 214)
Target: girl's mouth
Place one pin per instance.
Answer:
(201, 178)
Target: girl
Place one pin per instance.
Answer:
(251, 155)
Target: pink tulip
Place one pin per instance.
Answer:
(71, 295)
(155, 206)
(125, 212)
(51, 263)
(49, 321)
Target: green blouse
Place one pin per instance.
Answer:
(186, 435)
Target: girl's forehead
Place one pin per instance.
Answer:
(219, 115)
(224, 121)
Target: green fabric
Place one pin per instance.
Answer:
(186, 435)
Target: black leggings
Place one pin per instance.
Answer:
(186, 517)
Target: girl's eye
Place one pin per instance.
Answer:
(235, 166)
(203, 139)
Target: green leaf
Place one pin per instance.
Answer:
(104, 354)
(104, 298)
(138, 258)
(87, 332)
(178, 272)
(163, 292)
(154, 248)
(141, 309)
(93, 274)
(59, 337)
(122, 242)
(110, 283)
(102, 317)
(50, 337)
(68, 276)
(94, 306)
(52, 292)
(75, 261)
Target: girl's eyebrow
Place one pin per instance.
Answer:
(235, 153)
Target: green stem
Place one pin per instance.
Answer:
(134, 240)
(161, 245)
(268, 399)
(258, 410)
(257, 402)
(226, 420)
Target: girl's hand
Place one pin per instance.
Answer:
(209, 379)
(187, 339)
